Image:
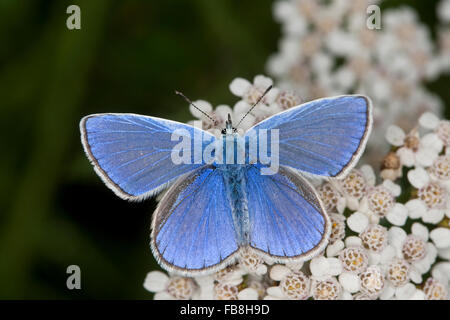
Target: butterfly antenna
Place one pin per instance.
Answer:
(254, 105)
(191, 103)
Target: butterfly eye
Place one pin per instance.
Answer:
(224, 131)
(234, 130)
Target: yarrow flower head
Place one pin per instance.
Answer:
(327, 49)
(389, 230)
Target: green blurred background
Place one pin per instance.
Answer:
(129, 56)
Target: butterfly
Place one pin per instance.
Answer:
(212, 212)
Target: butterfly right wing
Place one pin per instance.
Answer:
(192, 227)
(324, 137)
(287, 220)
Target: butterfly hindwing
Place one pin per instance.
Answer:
(287, 219)
(192, 228)
(324, 137)
(132, 153)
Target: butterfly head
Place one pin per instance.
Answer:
(229, 129)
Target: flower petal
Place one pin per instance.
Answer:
(353, 241)
(357, 222)
(418, 177)
(420, 230)
(426, 156)
(405, 292)
(350, 281)
(335, 266)
(416, 208)
(407, 157)
(433, 216)
(432, 141)
(156, 281)
(203, 105)
(262, 82)
(239, 86)
(248, 294)
(334, 248)
(278, 272)
(440, 237)
(397, 215)
(393, 188)
(319, 266)
(395, 135)
(429, 120)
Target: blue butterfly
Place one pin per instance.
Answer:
(212, 212)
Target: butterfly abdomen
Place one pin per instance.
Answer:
(234, 178)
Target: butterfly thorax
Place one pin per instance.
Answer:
(230, 150)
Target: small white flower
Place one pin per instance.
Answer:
(435, 290)
(354, 259)
(250, 93)
(232, 275)
(372, 281)
(374, 238)
(419, 151)
(327, 289)
(295, 286)
(225, 291)
(251, 262)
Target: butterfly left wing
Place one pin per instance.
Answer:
(192, 229)
(324, 137)
(132, 153)
(288, 221)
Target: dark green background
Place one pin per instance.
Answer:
(129, 56)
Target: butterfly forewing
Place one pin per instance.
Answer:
(132, 153)
(324, 137)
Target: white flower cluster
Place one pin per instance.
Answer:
(327, 49)
(389, 239)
